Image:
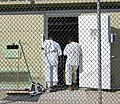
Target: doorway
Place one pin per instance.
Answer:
(63, 28)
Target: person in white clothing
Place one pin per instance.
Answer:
(73, 53)
(51, 51)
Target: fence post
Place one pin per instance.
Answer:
(99, 51)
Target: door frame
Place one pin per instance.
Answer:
(47, 16)
(56, 15)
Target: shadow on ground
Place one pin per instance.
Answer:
(21, 97)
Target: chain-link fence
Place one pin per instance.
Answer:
(59, 51)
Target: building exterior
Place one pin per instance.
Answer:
(28, 21)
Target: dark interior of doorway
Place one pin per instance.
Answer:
(62, 29)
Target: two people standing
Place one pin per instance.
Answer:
(51, 52)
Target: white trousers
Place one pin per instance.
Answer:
(51, 75)
(71, 74)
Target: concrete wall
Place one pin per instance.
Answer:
(29, 29)
(72, 1)
(54, 1)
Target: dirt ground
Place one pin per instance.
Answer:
(80, 96)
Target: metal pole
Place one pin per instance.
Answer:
(25, 61)
(99, 51)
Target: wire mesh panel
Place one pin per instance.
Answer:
(59, 52)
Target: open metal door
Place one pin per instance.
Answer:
(88, 39)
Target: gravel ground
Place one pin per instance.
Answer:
(80, 96)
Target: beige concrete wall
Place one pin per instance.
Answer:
(29, 29)
(55, 1)
(72, 1)
(15, 2)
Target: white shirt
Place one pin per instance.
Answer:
(51, 52)
(73, 52)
